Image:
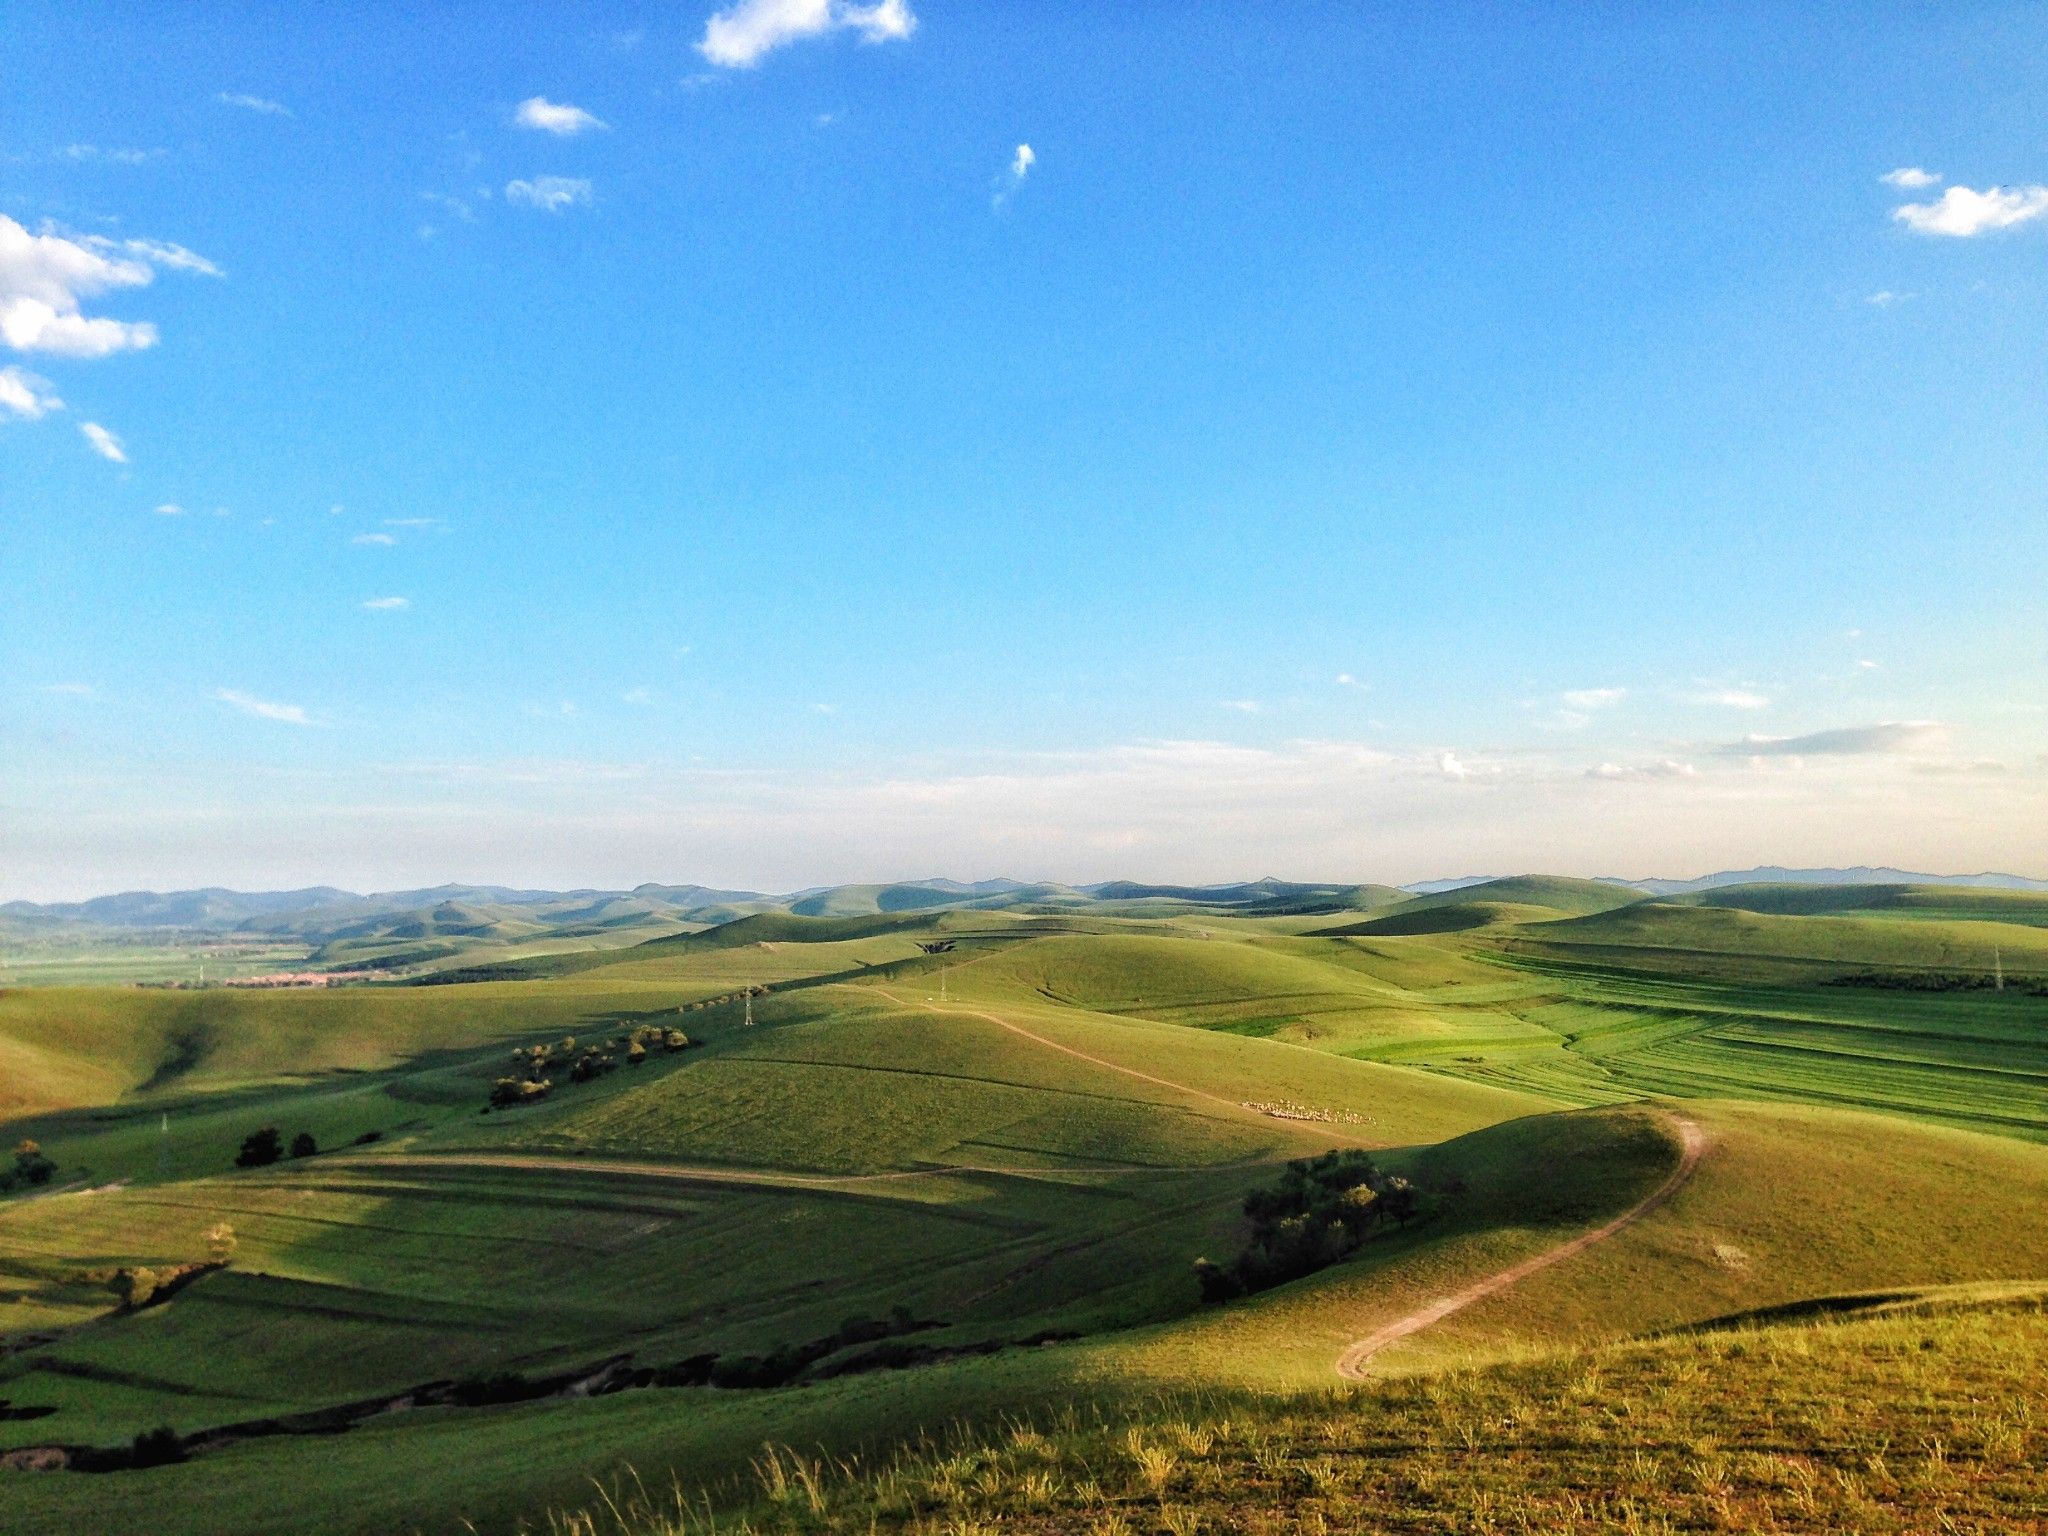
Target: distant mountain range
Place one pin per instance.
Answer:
(321, 912)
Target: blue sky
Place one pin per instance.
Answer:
(692, 443)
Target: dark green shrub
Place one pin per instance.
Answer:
(260, 1148)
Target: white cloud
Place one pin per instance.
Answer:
(412, 522)
(376, 540)
(288, 714)
(1451, 767)
(387, 604)
(1909, 178)
(1667, 768)
(45, 279)
(71, 690)
(1020, 165)
(104, 443)
(637, 696)
(170, 509)
(1886, 737)
(556, 117)
(1593, 698)
(26, 396)
(1961, 212)
(249, 103)
(1885, 298)
(1244, 706)
(1732, 698)
(739, 36)
(550, 194)
(1346, 680)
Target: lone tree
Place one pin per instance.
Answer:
(303, 1145)
(260, 1149)
(220, 1242)
(30, 1165)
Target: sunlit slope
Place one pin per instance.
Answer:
(1950, 902)
(1387, 1001)
(71, 1046)
(1557, 893)
(1932, 944)
(883, 1076)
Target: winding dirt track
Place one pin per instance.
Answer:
(1351, 1364)
(1310, 1126)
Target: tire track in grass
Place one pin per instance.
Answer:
(1351, 1364)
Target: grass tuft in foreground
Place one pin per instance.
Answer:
(1915, 1421)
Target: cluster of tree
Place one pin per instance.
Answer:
(1943, 981)
(31, 1167)
(152, 1448)
(1321, 1209)
(532, 1065)
(262, 1148)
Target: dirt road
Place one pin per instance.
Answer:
(1351, 1364)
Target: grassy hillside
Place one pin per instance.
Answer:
(1915, 1420)
(1930, 944)
(1902, 901)
(1555, 892)
(1005, 1155)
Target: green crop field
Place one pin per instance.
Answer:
(896, 1192)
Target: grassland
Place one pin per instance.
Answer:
(1029, 1136)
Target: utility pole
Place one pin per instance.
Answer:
(749, 1020)
(1997, 970)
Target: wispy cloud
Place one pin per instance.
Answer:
(1961, 212)
(104, 443)
(1592, 698)
(1730, 698)
(25, 396)
(550, 194)
(412, 522)
(374, 540)
(1909, 178)
(387, 604)
(1021, 160)
(107, 155)
(742, 34)
(1885, 737)
(169, 509)
(248, 103)
(1346, 680)
(1667, 768)
(1243, 706)
(71, 690)
(263, 709)
(556, 117)
(1885, 298)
